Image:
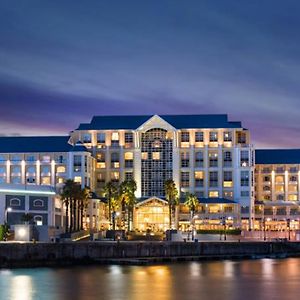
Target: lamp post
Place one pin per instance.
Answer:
(193, 226)
(288, 228)
(7, 210)
(264, 224)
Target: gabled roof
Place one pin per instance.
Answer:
(177, 121)
(25, 144)
(277, 156)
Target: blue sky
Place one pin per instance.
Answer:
(61, 62)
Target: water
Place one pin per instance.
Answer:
(220, 280)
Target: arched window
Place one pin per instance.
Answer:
(15, 202)
(38, 220)
(38, 203)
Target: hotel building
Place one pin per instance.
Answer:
(32, 173)
(206, 155)
(277, 182)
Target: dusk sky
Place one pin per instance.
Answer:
(61, 62)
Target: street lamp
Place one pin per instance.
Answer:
(7, 210)
(288, 228)
(193, 226)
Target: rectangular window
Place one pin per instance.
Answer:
(2, 158)
(115, 176)
(128, 137)
(128, 176)
(244, 158)
(185, 159)
(156, 155)
(199, 136)
(100, 157)
(16, 170)
(45, 180)
(101, 177)
(115, 139)
(245, 194)
(15, 158)
(199, 159)
(199, 178)
(86, 138)
(30, 158)
(241, 137)
(46, 158)
(144, 155)
(213, 194)
(213, 158)
(185, 179)
(213, 136)
(213, 179)
(115, 160)
(227, 159)
(185, 137)
(227, 136)
(77, 163)
(244, 178)
(227, 179)
(101, 138)
(128, 159)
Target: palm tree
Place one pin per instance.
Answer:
(172, 198)
(84, 202)
(66, 196)
(127, 196)
(110, 193)
(191, 201)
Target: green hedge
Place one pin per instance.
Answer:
(219, 231)
(3, 232)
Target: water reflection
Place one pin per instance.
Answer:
(259, 279)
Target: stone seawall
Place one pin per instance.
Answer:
(47, 254)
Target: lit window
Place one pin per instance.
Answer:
(61, 169)
(144, 155)
(115, 136)
(293, 198)
(213, 136)
(128, 155)
(45, 180)
(156, 155)
(77, 179)
(213, 194)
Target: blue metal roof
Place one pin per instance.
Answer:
(277, 156)
(177, 121)
(23, 144)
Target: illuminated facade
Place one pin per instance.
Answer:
(277, 177)
(204, 154)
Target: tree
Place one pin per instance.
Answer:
(83, 204)
(110, 193)
(191, 201)
(68, 195)
(127, 196)
(172, 198)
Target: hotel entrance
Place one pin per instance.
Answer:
(151, 214)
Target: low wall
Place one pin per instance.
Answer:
(50, 254)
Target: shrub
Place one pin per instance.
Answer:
(219, 231)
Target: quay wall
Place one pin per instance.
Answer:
(56, 254)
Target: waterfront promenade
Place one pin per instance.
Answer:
(58, 254)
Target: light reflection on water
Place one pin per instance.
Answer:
(249, 279)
